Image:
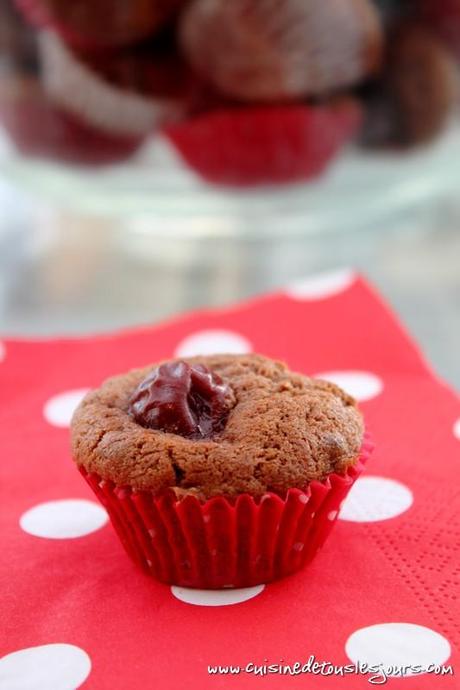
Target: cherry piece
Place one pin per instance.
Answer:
(182, 399)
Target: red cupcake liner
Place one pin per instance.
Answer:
(40, 129)
(265, 144)
(222, 542)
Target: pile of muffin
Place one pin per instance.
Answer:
(248, 91)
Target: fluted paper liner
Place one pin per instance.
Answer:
(223, 542)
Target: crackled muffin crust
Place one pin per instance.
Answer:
(283, 431)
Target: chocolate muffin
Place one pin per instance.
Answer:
(101, 24)
(220, 471)
(34, 121)
(234, 424)
(415, 97)
(262, 51)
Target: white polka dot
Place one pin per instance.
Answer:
(362, 385)
(213, 342)
(50, 666)
(397, 644)
(332, 515)
(64, 519)
(375, 498)
(59, 409)
(2, 351)
(457, 429)
(215, 597)
(321, 286)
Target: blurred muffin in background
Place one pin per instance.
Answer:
(443, 17)
(37, 126)
(414, 98)
(258, 50)
(96, 24)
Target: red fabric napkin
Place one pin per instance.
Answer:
(76, 611)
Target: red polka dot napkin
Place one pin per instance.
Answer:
(382, 592)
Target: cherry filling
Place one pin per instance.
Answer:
(178, 398)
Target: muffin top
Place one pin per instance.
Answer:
(216, 425)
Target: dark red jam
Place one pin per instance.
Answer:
(178, 398)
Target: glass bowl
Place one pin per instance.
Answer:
(165, 114)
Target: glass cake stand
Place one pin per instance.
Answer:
(155, 194)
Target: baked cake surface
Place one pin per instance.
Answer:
(283, 430)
